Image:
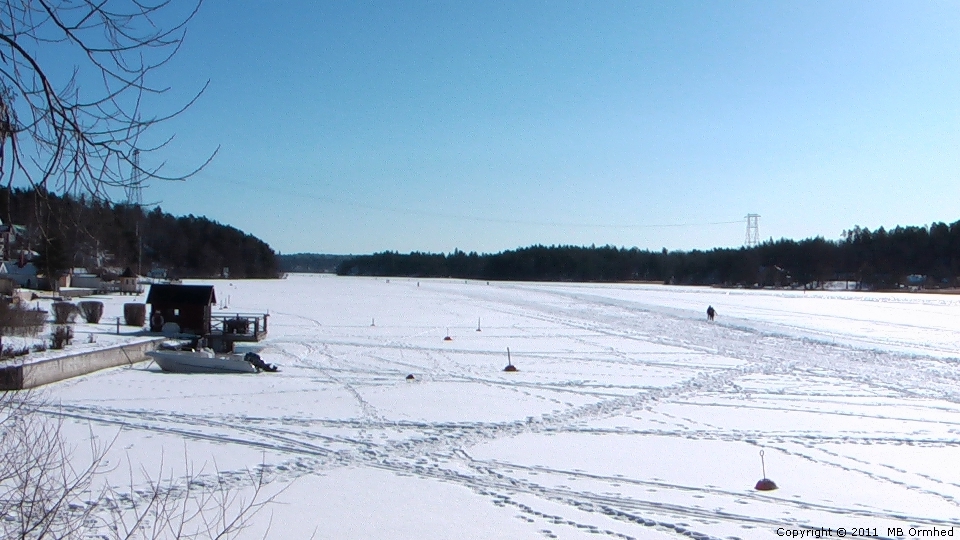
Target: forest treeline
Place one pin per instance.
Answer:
(78, 232)
(880, 259)
(313, 263)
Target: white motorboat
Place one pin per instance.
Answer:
(206, 361)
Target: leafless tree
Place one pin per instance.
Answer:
(44, 496)
(79, 82)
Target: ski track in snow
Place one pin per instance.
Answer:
(706, 367)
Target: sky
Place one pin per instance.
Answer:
(358, 127)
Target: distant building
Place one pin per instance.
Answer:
(129, 283)
(83, 279)
(24, 275)
(916, 280)
(8, 238)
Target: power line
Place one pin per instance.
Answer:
(480, 219)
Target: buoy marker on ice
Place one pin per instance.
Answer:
(447, 337)
(478, 324)
(510, 366)
(765, 484)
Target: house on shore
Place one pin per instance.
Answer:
(24, 275)
(130, 283)
(80, 278)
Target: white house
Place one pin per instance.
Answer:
(81, 279)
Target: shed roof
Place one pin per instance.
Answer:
(188, 295)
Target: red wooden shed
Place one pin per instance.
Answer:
(187, 305)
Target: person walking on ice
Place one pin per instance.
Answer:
(711, 313)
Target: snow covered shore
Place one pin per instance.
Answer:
(631, 415)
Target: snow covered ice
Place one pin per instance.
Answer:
(631, 415)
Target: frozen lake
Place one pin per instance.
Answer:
(631, 416)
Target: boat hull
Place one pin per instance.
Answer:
(200, 362)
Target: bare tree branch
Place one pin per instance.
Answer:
(43, 496)
(77, 130)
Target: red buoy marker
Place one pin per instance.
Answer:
(510, 366)
(765, 484)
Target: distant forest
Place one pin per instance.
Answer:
(313, 263)
(881, 259)
(77, 232)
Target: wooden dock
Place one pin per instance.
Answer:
(229, 328)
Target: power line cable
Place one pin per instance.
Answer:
(480, 219)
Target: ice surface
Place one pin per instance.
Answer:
(631, 415)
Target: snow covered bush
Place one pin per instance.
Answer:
(135, 314)
(64, 312)
(13, 352)
(91, 311)
(61, 337)
(15, 320)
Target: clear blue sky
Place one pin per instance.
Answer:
(358, 127)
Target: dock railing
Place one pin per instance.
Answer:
(238, 326)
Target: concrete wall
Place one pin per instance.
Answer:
(48, 370)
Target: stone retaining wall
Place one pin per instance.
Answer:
(45, 371)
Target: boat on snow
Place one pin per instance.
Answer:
(206, 361)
